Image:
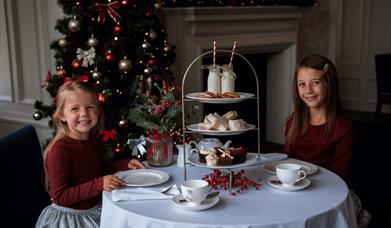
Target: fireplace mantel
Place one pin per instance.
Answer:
(272, 29)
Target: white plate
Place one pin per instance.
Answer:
(309, 168)
(298, 186)
(243, 96)
(193, 127)
(207, 203)
(251, 158)
(143, 177)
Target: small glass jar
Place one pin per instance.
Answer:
(214, 79)
(159, 150)
(228, 79)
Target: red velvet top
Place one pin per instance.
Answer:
(76, 173)
(333, 152)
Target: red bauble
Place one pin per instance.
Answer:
(83, 78)
(102, 98)
(117, 28)
(148, 13)
(109, 57)
(124, 2)
(75, 64)
(152, 62)
(119, 149)
(67, 79)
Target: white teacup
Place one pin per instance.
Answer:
(195, 191)
(289, 174)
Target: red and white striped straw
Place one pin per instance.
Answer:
(232, 54)
(214, 53)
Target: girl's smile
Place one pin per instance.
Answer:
(81, 114)
(312, 87)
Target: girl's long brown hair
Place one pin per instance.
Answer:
(61, 127)
(300, 117)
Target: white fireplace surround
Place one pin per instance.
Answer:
(272, 30)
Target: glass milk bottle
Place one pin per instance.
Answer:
(214, 79)
(228, 79)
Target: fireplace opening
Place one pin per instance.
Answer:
(247, 110)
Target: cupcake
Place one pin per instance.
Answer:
(239, 154)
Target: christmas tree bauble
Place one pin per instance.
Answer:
(73, 25)
(123, 123)
(96, 75)
(62, 42)
(37, 115)
(125, 64)
(152, 35)
(92, 41)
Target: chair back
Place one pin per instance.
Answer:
(383, 73)
(23, 194)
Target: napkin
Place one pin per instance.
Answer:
(129, 194)
(273, 157)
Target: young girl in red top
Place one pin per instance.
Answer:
(317, 131)
(73, 160)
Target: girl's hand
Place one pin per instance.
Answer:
(135, 164)
(111, 182)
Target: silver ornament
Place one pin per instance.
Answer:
(125, 64)
(73, 25)
(147, 70)
(37, 115)
(123, 123)
(158, 5)
(152, 34)
(167, 48)
(62, 42)
(96, 75)
(92, 41)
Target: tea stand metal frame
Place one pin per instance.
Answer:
(185, 131)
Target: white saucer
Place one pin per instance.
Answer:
(298, 186)
(207, 203)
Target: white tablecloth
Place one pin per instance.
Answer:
(325, 203)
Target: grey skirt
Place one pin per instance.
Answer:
(64, 217)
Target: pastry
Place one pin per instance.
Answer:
(237, 125)
(212, 159)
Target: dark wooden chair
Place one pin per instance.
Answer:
(383, 81)
(23, 196)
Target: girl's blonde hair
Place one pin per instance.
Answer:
(300, 117)
(61, 128)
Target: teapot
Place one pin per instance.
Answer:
(207, 143)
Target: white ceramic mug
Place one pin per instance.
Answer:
(289, 174)
(195, 191)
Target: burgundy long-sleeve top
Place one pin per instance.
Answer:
(75, 170)
(333, 152)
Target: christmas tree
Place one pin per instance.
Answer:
(121, 48)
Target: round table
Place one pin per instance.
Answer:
(325, 203)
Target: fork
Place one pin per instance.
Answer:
(166, 189)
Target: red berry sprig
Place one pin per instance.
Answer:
(219, 180)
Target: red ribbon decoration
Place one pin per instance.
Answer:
(156, 139)
(102, 8)
(110, 134)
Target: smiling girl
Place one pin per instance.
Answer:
(317, 130)
(73, 160)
